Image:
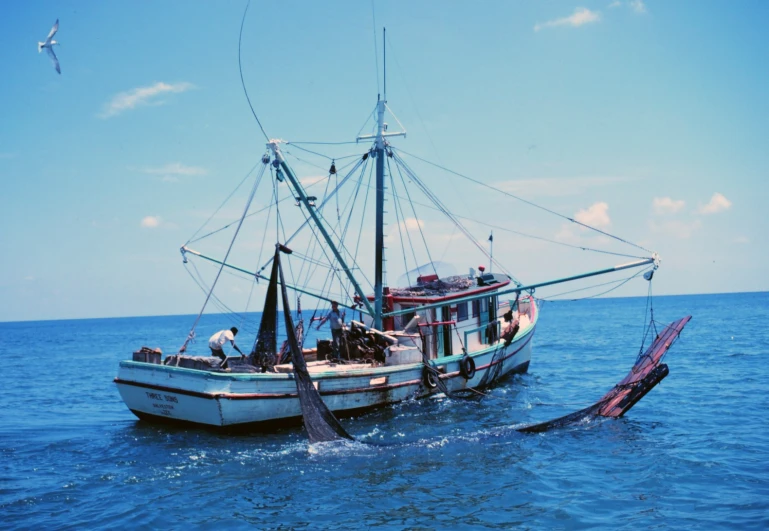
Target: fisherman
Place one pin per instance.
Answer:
(513, 325)
(219, 339)
(335, 320)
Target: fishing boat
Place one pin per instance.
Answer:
(439, 332)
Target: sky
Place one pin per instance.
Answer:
(646, 119)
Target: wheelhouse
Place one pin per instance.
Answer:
(451, 324)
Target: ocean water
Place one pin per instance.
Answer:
(693, 454)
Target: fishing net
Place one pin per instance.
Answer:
(647, 372)
(265, 346)
(319, 421)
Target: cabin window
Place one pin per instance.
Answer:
(476, 308)
(406, 317)
(462, 311)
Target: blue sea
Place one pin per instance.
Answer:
(693, 454)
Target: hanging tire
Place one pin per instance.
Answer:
(467, 367)
(429, 379)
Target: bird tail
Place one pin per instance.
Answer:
(40, 47)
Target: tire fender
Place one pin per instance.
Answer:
(467, 367)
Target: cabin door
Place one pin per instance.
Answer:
(443, 333)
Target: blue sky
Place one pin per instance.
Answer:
(647, 119)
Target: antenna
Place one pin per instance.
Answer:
(384, 61)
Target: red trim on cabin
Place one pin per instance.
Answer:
(438, 323)
(457, 295)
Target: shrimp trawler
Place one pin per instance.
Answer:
(439, 332)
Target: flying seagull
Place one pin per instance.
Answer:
(48, 45)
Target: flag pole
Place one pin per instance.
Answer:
(491, 251)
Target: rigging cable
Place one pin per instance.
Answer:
(398, 221)
(414, 211)
(240, 68)
(523, 234)
(405, 226)
(622, 282)
(326, 199)
(222, 205)
(191, 334)
(476, 181)
(446, 212)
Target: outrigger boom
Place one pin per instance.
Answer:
(638, 263)
(299, 189)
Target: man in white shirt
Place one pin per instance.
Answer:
(335, 320)
(219, 339)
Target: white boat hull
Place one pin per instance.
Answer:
(217, 399)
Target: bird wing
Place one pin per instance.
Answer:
(54, 59)
(54, 29)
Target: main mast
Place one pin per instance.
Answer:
(379, 241)
(379, 151)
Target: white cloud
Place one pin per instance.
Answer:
(742, 240)
(677, 229)
(412, 224)
(596, 215)
(638, 6)
(151, 222)
(142, 96)
(29, 278)
(718, 203)
(580, 17)
(7, 155)
(172, 171)
(614, 4)
(666, 205)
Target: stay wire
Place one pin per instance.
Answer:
(523, 234)
(365, 204)
(398, 221)
(192, 238)
(416, 218)
(476, 181)
(326, 199)
(621, 282)
(446, 212)
(191, 334)
(405, 226)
